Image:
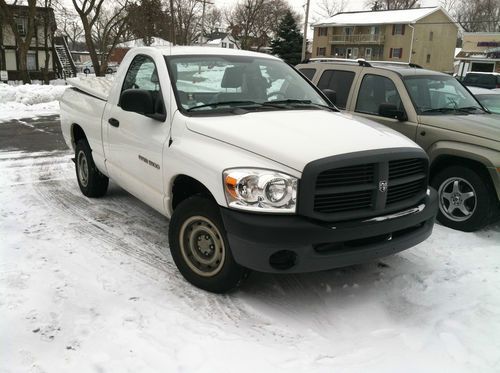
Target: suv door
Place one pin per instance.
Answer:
(375, 89)
(135, 140)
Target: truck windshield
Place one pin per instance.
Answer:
(440, 95)
(209, 84)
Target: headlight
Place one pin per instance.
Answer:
(260, 190)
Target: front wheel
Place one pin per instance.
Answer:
(200, 248)
(466, 201)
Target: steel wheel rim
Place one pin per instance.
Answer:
(457, 199)
(202, 246)
(83, 168)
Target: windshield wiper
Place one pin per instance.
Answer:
(294, 102)
(228, 103)
(466, 109)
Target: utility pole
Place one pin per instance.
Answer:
(172, 20)
(304, 42)
(202, 36)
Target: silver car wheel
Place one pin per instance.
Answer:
(202, 246)
(457, 199)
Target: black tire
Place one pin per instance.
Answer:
(481, 206)
(91, 181)
(197, 219)
(86, 71)
(109, 70)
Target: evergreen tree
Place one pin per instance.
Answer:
(288, 42)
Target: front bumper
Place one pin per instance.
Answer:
(294, 244)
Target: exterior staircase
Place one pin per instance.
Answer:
(65, 64)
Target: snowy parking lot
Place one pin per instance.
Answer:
(88, 285)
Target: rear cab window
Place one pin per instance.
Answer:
(340, 81)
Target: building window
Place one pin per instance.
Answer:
(224, 45)
(22, 25)
(368, 53)
(321, 52)
(31, 61)
(231, 46)
(396, 53)
(348, 30)
(428, 60)
(322, 31)
(431, 36)
(355, 52)
(338, 52)
(398, 29)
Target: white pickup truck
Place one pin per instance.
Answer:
(254, 166)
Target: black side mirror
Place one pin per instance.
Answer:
(330, 94)
(137, 100)
(391, 111)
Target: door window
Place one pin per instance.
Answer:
(340, 81)
(308, 73)
(376, 90)
(142, 74)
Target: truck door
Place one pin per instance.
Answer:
(376, 91)
(136, 141)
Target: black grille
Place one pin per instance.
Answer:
(352, 175)
(363, 185)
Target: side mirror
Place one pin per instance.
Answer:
(391, 111)
(137, 100)
(330, 94)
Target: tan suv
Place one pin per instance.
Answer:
(461, 138)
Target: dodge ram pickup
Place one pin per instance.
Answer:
(252, 164)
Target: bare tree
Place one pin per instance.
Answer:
(478, 16)
(328, 8)
(392, 4)
(103, 28)
(187, 15)
(254, 22)
(23, 43)
(69, 24)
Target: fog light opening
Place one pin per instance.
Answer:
(283, 259)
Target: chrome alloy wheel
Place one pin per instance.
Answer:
(457, 199)
(202, 246)
(83, 168)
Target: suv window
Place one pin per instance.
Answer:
(376, 90)
(340, 81)
(308, 73)
(481, 80)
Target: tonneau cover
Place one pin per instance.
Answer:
(95, 86)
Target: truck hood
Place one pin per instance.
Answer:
(297, 137)
(480, 125)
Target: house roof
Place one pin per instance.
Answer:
(379, 17)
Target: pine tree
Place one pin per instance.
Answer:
(288, 42)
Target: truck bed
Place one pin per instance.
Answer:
(95, 86)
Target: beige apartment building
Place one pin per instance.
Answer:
(480, 52)
(424, 36)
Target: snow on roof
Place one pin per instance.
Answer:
(215, 41)
(379, 17)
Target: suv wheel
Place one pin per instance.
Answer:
(466, 202)
(200, 248)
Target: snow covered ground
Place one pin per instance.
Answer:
(28, 100)
(88, 285)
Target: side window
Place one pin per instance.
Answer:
(376, 90)
(340, 81)
(142, 74)
(308, 73)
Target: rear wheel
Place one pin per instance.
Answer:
(466, 200)
(91, 181)
(200, 248)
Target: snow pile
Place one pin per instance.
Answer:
(88, 285)
(30, 99)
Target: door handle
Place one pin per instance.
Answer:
(422, 133)
(114, 122)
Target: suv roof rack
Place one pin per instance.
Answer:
(358, 61)
(362, 62)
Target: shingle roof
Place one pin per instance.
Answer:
(378, 17)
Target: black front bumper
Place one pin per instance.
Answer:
(303, 245)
